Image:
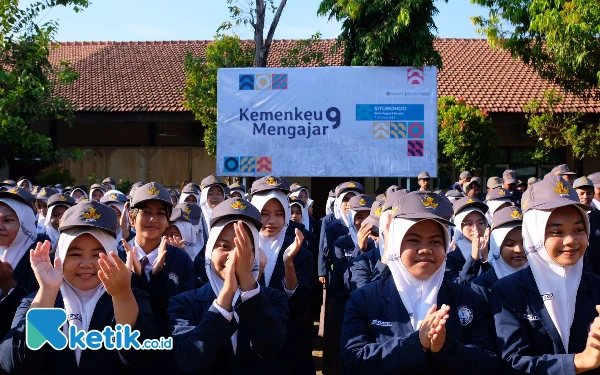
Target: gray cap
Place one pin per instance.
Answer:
(551, 192)
(61, 200)
(507, 215)
(455, 193)
(361, 202)
(423, 205)
(374, 221)
(380, 198)
(109, 180)
(151, 191)
(465, 202)
(90, 214)
(97, 186)
(595, 177)
(192, 210)
(583, 182)
(296, 186)
(470, 185)
(134, 188)
(392, 198)
(114, 197)
(559, 170)
(179, 214)
(532, 180)
(498, 193)
(424, 176)
(331, 194)
(210, 181)
(509, 176)
(20, 195)
(347, 186)
(465, 174)
(376, 210)
(190, 189)
(237, 186)
(494, 182)
(45, 193)
(233, 208)
(9, 182)
(391, 189)
(269, 183)
(296, 200)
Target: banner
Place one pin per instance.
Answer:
(327, 122)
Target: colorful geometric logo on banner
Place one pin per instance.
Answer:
(381, 130)
(415, 76)
(364, 112)
(264, 164)
(397, 130)
(232, 164)
(415, 148)
(416, 130)
(248, 164)
(263, 81)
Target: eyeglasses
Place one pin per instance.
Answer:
(479, 224)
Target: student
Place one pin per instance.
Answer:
(190, 194)
(323, 252)
(288, 269)
(41, 205)
(174, 196)
(186, 234)
(237, 190)
(117, 201)
(424, 180)
(416, 322)
(79, 193)
(232, 325)
(329, 203)
(465, 176)
(584, 188)
(506, 250)
(213, 193)
(93, 285)
(470, 257)
(564, 172)
(546, 315)
(301, 192)
(57, 205)
(471, 188)
(497, 199)
(25, 183)
(17, 237)
(97, 192)
(109, 183)
(296, 209)
(509, 182)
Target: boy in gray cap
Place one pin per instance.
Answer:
(509, 182)
(465, 176)
(424, 180)
(595, 178)
(564, 172)
(584, 187)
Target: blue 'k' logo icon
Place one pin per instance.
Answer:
(44, 326)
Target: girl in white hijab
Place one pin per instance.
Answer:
(547, 315)
(57, 205)
(302, 193)
(497, 199)
(416, 313)
(78, 194)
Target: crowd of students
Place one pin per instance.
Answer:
(496, 282)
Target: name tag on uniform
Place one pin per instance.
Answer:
(376, 322)
(532, 317)
(547, 297)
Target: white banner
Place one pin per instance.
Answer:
(327, 122)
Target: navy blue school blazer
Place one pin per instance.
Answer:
(177, 276)
(366, 268)
(202, 336)
(460, 271)
(592, 253)
(16, 358)
(345, 252)
(378, 338)
(527, 339)
(483, 283)
(322, 261)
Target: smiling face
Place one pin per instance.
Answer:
(223, 249)
(57, 213)
(9, 225)
(80, 266)
(359, 217)
(512, 248)
(585, 195)
(423, 249)
(215, 196)
(566, 238)
(97, 195)
(272, 217)
(151, 220)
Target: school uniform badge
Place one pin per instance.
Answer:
(465, 315)
(173, 276)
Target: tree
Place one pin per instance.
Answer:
(559, 38)
(201, 81)
(555, 130)
(304, 53)
(385, 33)
(255, 15)
(27, 79)
(466, 135)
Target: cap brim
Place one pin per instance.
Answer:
(167, 202)
(424, 216)
(260, 190)
(560, 202)
(79, 225)
(256, 223)
(511, 181)
(5, 194)
(567, 173)
(479, 205)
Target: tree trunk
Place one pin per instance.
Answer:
(263, 46)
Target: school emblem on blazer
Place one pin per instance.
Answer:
(113, 197)
(271, 181)
(465, 315)
(153, 191)
(351, 185)
(362, 201)
(91, 215)
(173, 276)
(238, 205)
(515, 214)
(561, 189)
(430, 203)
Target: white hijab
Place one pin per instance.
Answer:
(79, 304)
(52, 233)
(417, 295)
(206, 210)
(81, 190)
(272, 245)
(493, 207)
(190, 236)
(352, 228)
(305, 215)
(497, 237)
(463, 243)
(328, 207)
(20, 182)
(26, 236)
(216, 283)
(337, 207)
(185, 195)
(558, 282)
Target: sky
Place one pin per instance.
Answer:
(146, 20)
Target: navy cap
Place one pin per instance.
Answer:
(348, 186)
(114, 197)
(35, 189)
(582, 183)
(559, 170)
(361, 202)
(236, 208)
(180, 214)
(268, 183)
(20, 195)
(190, 189)
(61, 199)
(237, 186)
(59, 186)
(45, 193)
(174, 192)
(109, 180)
(498, 193)
(465, 202)
(494, 182)
(90, 214)
(296, 186)
(192, 210)
(296, 200)
(550, 193)
(392, 198)
(151, 191)
(423, 205)
(210, 181)
(507, 215)
(374, 221)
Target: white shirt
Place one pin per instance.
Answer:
(151, 257)
(244, 296)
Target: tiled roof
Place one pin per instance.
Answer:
(149, 76)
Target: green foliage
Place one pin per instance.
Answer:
(559, 38)
(466, 135)
(55, 174)
(305, 53)
(554, 130)
(385, 33)
(124, 185)
(26, 83)
(94, 178)
(201, 81)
